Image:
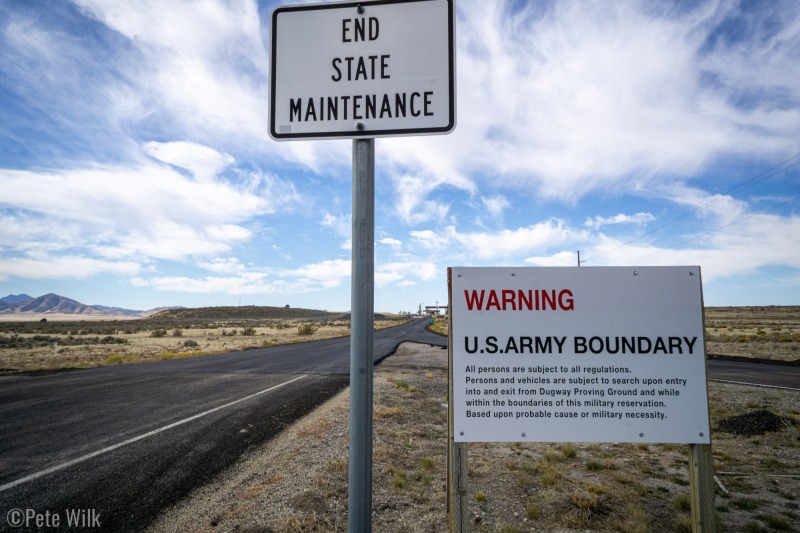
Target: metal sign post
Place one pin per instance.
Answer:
(362, 70)
(457, 452)
(359, 516)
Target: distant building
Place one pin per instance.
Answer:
(437, 310)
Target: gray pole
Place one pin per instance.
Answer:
(359, 504)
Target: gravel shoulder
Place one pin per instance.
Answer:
(298, 480)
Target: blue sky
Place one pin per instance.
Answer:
(136, 168)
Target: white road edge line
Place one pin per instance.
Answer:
(113, 447)
(753, 384)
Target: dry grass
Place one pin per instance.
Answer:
(766, 332)
(771, 332)
(138, 346)
(440, 326)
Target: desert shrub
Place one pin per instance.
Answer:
(172, 355)
(9, 342)
(778, 522)
(403, 384)
(398, 479)
(594, 465)
(117, 359)
(683, 523)
(551, 476)
(38, 341)
(190, 344)
(683, 503)
(306, 329)
(569, 451)
(249, 331)
(177, 332)
(532, 512)
(158, 333)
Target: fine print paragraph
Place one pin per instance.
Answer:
(573, 391)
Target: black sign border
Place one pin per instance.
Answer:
(365, 133)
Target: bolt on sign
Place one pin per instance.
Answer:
(362, 69)
(603, 354)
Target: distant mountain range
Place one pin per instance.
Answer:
(22, 304)
(15, 299)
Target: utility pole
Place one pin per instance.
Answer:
(579, 259)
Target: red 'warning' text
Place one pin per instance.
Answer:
(519, 300)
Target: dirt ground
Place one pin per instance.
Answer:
(298, 482)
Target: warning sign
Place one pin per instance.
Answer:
(578, 355)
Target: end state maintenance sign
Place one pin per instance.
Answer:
(363, 69)
(564, 354)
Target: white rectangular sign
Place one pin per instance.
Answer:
(573, 354)
(363, 69)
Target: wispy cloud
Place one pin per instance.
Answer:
(495, 205)
(499, 245)
(571, 97)
(203, 64)
(405, 274)
(52, 267)
(598, 221)
(393, 243)
(143, 213)
(728, 247)
(341, 225)
(202, 161)
(244, 283)
(324, 275)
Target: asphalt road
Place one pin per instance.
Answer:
(118, 444)
(757, 374)
(121, 443)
